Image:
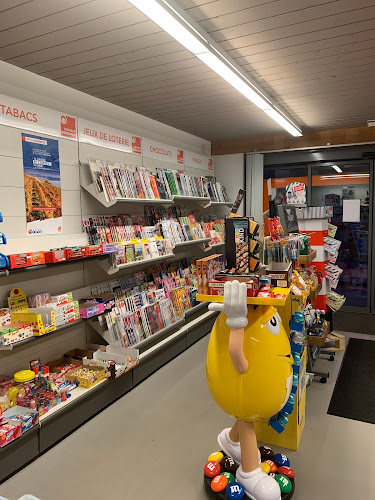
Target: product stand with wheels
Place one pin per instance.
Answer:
(317, 229)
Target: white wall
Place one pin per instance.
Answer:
(21, 84)
(230, 172)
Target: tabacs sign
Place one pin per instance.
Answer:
(27, 116)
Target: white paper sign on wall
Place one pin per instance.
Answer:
(195, 160)
(27, 116)
(163, 152)
(107, 137)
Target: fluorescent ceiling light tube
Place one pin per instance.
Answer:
(172, 26)
(183, 31)
(275, 115)
(213, 62)
(337, 168)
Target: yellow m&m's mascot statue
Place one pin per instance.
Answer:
(249, 373)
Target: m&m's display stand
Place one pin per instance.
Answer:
(220, 475)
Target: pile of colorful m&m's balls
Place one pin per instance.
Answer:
(221, 470)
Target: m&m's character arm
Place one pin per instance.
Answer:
(235, 307)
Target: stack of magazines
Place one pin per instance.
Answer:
(118, 181)
(146, 302)
(118, 229)
(131, 323)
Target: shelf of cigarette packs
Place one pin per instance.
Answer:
(148, 304)
(120, 182)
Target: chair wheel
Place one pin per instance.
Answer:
(332, 358)
(323, 380)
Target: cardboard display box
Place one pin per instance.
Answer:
(334, 342)
(85, 351)
(280, 273)
(97, 376)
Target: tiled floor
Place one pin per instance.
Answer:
(152, 444)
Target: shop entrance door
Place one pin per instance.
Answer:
(347, 186)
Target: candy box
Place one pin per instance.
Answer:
(26, 259)
(9, 432)
(77, 253)
(8, 335)
(4, 316)
(85, 351)
(216, 287)
(280, 273)
(64, 365)
(54, 256)
(107, 299)
(93, 250)
(62, 299)
(90, 309)
(237, 244)
(26, 417)
(87, 376)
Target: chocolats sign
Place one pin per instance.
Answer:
(163, 152)
(27, 116)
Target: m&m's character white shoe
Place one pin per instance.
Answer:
(231, 448)
(258, 485)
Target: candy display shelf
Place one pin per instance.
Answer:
(83, 404)
(256, 301)
(56, 265)
(16, 345)
(307, 259)
(75, 395)
(19, 453)
(138, 263)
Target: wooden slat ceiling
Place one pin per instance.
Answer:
(314, 57)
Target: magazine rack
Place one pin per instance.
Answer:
(88, 185)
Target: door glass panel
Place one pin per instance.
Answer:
(332, 185)
(280, 179)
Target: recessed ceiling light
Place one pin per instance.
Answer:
(174, 20)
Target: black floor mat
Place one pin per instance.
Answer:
(354, 393)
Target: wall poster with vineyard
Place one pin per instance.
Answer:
(41, 166)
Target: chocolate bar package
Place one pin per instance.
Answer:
(237, 244)
(237, 202)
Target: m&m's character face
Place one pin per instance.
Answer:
(264, 388)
